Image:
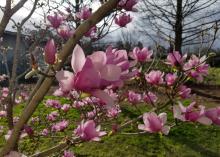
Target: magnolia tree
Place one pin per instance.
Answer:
(94, 87)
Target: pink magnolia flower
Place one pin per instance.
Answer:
(150, 98)
(123, 20)
(120, 58)
(53, 103)
(55, 20)
(196, 67)
(141, 55)
(175, 58)
(5, 92)
(52, 116)
(24, 95)
(184, 92)
(45, 132)
(50, 52)
(91, 114)
(78, 104)
(68, 154)
(154, 123)
(214, 115)
(60, 126)
(3, 113)
(191, 113)
(59, 92)
(91, 74)
(88, 132)
(18, 100)
(84, 13)
(66, 107)
(155, 77)
(65, 32)
(128, 4)
(133, 97)
(113, 112)
(170, 79)
(91, 33)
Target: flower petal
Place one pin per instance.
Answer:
(78, 59)
(104, 97)
(110, 72)
(66, 80)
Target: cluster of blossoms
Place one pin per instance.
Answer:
(20, 97)
(123, 19)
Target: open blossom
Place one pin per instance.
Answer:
(53, 103)
(60, 126)
(91, 114)
(154, 123)
(65, 32)
(196, 67)
(66, 107)
(68, 154)
(58, 92)
(52, 116)
(214, 115)
(150, 98)
(50, 52)
(133, 97)
(78, 104)
(88, 131)
(45, 132)
(175, 58)
(170, 79)
(24, 95)
(128, 5)
(92, 73)
(5, 92)
(184, 92)
(123, 20)
(155, 77)
(55, 20)
(113, 112)
(141, 55)
(84, 13)
(191, 113)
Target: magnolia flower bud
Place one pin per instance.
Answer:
(50, 52)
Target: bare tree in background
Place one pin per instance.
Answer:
(8, 11)
(182, 22)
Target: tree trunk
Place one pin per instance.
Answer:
(178, 26)
(4, 22)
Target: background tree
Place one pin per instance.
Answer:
(8, 11)
(181, 22)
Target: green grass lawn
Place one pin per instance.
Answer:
(184, 140)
